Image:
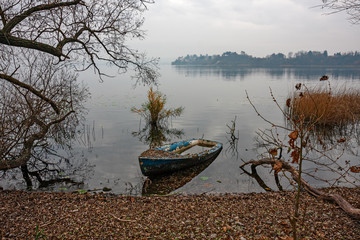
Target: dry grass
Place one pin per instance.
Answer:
(326, 107)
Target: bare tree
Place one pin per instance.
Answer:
(93, 31)
(85, 33)
(351, 7)
(27, 120)
(41, 44)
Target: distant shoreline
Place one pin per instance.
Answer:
(299, 59)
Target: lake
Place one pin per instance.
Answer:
(105, 154)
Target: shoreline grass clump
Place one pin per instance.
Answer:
(154, 110)
(326, 107)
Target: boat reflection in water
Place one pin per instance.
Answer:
(168, 182)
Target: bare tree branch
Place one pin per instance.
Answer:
(31, 89)
(94, 31)
(43, 7)
(21, 42)
(351, 7)
(345, 205)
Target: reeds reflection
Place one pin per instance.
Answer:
(155, 136)
(233, 139)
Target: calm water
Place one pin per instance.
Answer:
(106, 154)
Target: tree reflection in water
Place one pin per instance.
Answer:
(53, 164)
(235, 73)
(53, 170)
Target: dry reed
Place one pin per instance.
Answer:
(154, 110)
(324, 107)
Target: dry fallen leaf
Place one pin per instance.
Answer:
(273, 152)
(207, 185)
(294, 135)
(355, 169)
(295, 156)
(159, 217)
(277, 166)
(288, 102)
(226, 228)
(286, 238)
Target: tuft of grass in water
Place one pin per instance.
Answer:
(325, 107)
(154, 110)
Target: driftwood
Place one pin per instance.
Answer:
(345, 205)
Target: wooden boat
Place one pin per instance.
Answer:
(172, 157)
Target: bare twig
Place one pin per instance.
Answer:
(120, 219)
(262, 117)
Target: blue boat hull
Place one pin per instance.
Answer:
(173, 161)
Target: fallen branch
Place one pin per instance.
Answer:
(120, 219)
(345, 205)
(49, 223)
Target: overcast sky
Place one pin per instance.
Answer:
(258, 27)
